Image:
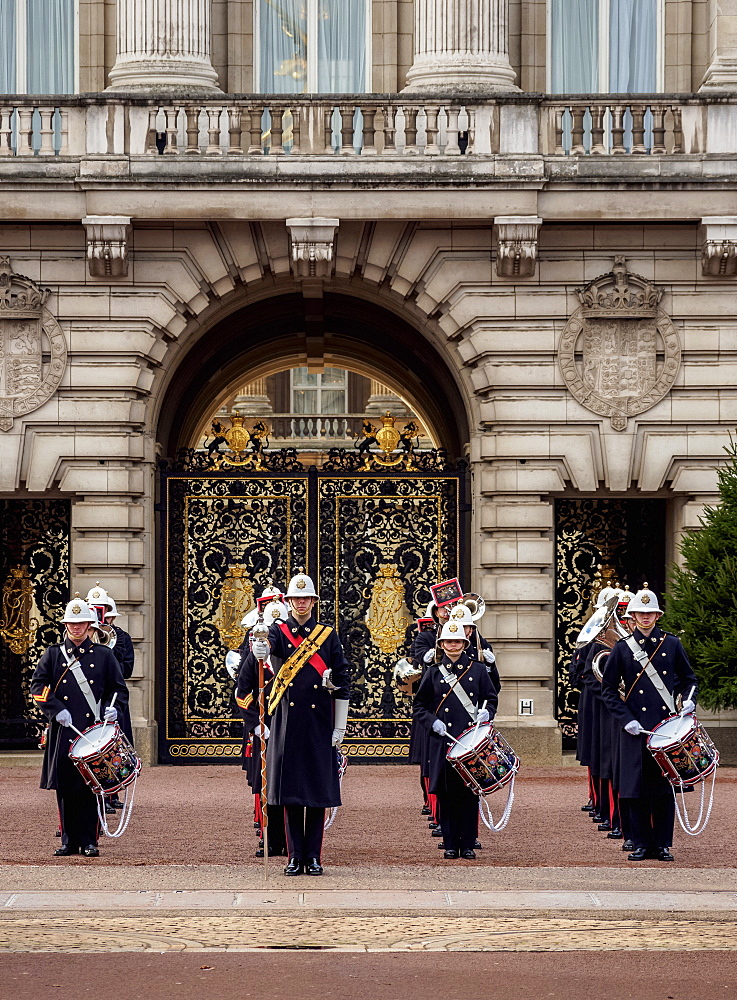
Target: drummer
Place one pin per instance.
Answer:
(74, 684)
(453, 695)
(650, 690)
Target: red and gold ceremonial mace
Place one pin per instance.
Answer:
(261, 631)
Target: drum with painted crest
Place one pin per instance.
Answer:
(105, 758)
(484, 759)
(683, 750)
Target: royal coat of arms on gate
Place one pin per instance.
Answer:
(33, 351)
(619, 353)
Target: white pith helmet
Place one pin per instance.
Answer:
(604, 595)
(644, 600)
(250, 618)
(112, 606)
(271, 591)
(431, 609)
(78, 610)
(275, 611)
(301, 585)
(453, 629)
(98, 595)
(461, 613)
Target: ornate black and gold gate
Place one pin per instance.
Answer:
(34, 587)
(373, 539)
(599, 542)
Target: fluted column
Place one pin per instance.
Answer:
(461, 45)
(163, 43)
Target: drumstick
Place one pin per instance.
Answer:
(690, 696)
(478, 723)
(110, 706)
(81, 734)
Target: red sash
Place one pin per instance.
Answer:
(315, 660)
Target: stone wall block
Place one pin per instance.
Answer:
(103, 516)
(516, 588)
(516, 514)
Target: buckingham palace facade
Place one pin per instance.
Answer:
(241, 238)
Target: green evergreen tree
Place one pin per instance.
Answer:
(702, 597)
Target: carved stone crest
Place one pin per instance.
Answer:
(33, 351)
(619, 353)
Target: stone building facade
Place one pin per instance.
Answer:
(549, 279)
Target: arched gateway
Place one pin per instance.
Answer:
(270, 467)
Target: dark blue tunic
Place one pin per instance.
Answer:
(302, 765)
(638, 774)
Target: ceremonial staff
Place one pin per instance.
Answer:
(261, 631)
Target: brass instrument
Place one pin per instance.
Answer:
(102, 633)
(475, 604)
(603, 626)
(405, 675)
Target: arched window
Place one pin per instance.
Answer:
(604, 46)
(38, 46)
(311, 46)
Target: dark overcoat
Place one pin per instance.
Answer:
(422, 642)
(638, 775)
(431, 703)
(302, 764)
(54, 688)
(125, 656)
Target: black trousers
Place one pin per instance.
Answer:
(277, 833)
(459, 810)
(77, 807)
(650, 821)
(305, 825)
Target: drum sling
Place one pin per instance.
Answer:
(456, 688)
(84, 685)
(306, 652)
(647, 668)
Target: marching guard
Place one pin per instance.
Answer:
(308, 706)
(74, 684)
(652, 678)
(453, 694)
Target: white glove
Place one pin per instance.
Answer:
(64, 718)
(262, 732)
(483, 716)
(429, 656)
(634, 728)
(111, 714)
(439, 727)
(488, 655)
(338, 737)
(260, 649)
(340, 721)
(688, 706)
(232, 662)
(327, 681)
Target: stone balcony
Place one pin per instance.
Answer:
(426, 153)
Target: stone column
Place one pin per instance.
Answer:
(461, 46)
(381, 399)
(722, 71)
(163, 44)
(252, 400)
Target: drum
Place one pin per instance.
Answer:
(683, 750)
(105, 758)
(483, 759)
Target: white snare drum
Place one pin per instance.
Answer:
(105, 758)
(483, 759)
(683, 750)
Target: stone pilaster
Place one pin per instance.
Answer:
(461, 46)
(163, 44)
(722, 71)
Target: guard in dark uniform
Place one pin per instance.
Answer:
(246, 697)
(447, 702)
(308, 705)
(74, 684)
(651, 686)
(107, 612)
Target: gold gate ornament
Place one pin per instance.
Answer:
(388, 617)
(236, 600)
(18, 626)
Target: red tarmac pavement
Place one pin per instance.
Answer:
(202, 814)
(300, 976)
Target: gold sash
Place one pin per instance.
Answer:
(293, 664)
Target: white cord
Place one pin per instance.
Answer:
(485, 810)
(694, 829)
(125, 813)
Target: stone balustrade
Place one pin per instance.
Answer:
(366, 125)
